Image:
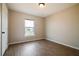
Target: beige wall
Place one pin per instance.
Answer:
(63, 27)
(16, 27)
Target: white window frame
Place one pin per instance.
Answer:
(27, 27)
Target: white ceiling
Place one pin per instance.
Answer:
(34, 9)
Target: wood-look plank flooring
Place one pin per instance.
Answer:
(40, 48)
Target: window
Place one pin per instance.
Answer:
(29, 28)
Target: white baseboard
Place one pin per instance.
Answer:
(64, 44)
(49, 40)
(22, 41)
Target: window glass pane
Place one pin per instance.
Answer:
(29, 23)
(29, 28)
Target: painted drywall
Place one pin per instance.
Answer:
(16, 27)
(4, 28)
(34, 9)
(63, 27)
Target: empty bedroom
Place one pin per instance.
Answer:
(39, 29)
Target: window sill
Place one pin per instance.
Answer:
(30, 36)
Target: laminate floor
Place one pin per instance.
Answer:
(40, 48)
